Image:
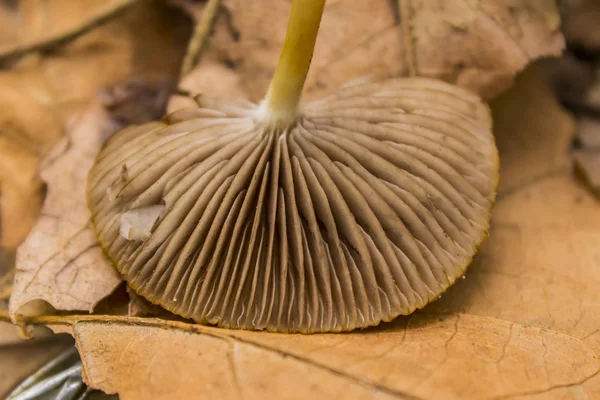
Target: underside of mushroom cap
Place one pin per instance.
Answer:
(368, 207)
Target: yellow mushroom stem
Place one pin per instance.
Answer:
(280, 106)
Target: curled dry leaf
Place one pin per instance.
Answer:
(60, 262)
(37, 98)
(448, 40)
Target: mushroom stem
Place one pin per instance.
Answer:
(281, 102)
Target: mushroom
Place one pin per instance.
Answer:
(332, 216)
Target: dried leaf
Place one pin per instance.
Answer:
(147, 41)
(447, 356)
(37, 98)
(452, 40)
(61, 262)
(447, 40)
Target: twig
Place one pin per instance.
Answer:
(199, 37)
(99, 18)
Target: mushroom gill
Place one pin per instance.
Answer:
(349, 211)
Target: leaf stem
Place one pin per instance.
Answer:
(281, 102)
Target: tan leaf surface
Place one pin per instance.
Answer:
(448, 356)
(449, 40)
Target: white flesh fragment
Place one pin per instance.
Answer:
(137, 224)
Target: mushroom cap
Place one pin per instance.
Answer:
(368, 207)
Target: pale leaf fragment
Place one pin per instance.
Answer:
(60, 262)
